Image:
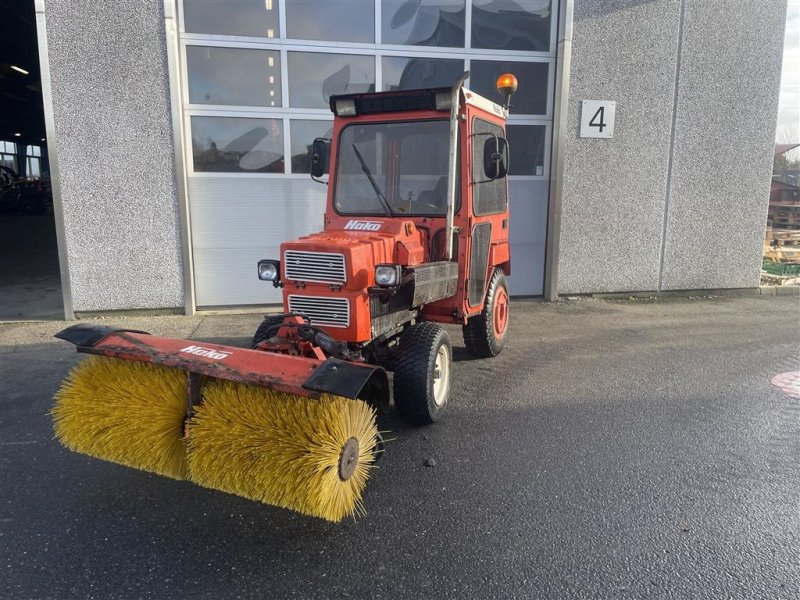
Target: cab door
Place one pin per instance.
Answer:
(488, 220)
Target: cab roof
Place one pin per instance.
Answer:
(370, 103)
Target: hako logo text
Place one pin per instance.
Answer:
(363, 225)
(207, 352)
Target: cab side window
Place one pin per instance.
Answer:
(488, 197)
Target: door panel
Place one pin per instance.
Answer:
(478, 262)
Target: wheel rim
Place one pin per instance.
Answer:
(500, 312)
(441, 375)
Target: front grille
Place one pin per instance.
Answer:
(331, 312)
(319, 267)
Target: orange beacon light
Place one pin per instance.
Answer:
(506, 86)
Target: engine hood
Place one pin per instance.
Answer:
(353, 250)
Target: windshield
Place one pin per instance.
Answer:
(393, 168)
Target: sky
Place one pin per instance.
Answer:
(788, 130)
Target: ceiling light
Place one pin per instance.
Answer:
(268, 4)
(270, 32)
(43, 139)
(20, 70)
(271, 61)
(17, 135)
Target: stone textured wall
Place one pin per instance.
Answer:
(725, 123)
(108, 71)
(678, 198)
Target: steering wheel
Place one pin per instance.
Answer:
(403, 209)
(435, 208)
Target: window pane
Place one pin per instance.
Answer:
(314, 78)
(233, 76)
(488, 197)
(8, 161)
(232, 144)
(335, 20)
(511, 24)
(407, 161)
(33, 167)
(400, 73)
(426, 23)
(526, 143)
(531, 96)
(304, 132)
(254, 18)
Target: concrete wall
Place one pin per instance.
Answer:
(727, 110)
(678, 198)
(111, 111)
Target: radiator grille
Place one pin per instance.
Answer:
(331, 312)
(319, 267)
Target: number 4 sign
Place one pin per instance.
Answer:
(597, 118)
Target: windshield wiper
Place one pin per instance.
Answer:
(386, 207)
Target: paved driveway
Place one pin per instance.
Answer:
(614, 450)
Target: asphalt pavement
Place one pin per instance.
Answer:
(615, 449)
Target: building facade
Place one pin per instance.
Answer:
(179, 134)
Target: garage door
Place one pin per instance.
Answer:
(257, 75)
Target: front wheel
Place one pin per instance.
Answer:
(485, 333)
(422, 373)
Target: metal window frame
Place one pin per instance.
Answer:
(288, 137)
(553, 29)
(285, 113)
(558, 142)
(189, 168)
(175, 65)
(377, 51)
(545, 159)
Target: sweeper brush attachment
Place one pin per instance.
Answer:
(308, 455)
(125, 412)
(292, 431)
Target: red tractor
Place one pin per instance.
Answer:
(416, 234)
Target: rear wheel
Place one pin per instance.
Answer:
(485, 333)
(422, 373)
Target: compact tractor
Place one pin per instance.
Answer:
(415, 235)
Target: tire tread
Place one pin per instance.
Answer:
(411, 371)
(478, 332)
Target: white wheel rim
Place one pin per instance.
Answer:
(441, 375)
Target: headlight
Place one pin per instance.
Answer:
(269, 270)
(387, 275)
